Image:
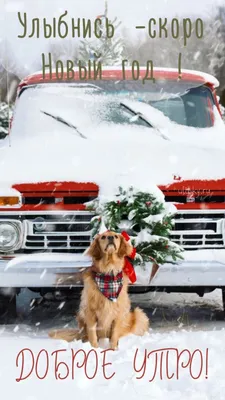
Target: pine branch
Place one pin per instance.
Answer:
(150, 238)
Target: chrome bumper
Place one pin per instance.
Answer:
(43, 270)
(199, 268)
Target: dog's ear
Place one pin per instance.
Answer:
(125, 248)
(95, 250)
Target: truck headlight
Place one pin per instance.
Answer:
(10, 236)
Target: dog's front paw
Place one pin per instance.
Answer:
(94, 344)
(114, 345)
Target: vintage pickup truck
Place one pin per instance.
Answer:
(45, 225)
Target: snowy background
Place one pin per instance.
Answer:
(20, 57)
(23, 56)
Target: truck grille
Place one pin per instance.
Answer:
(70, 231)
(58, 233)
(194, 230)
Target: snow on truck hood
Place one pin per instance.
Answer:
(125, 155)
(43, 149)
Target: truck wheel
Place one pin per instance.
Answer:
(7, 306)
(223, 297)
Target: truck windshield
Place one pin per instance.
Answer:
(83, 104)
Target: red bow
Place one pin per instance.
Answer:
(128, 266)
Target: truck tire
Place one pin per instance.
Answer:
(223, 297)
(7, 307)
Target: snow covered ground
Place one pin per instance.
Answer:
(191, 330)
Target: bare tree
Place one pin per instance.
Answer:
(217, 50)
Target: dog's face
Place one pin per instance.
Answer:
(109, 243)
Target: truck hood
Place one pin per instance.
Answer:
(185, 189)
(135, 156)
(186, 194)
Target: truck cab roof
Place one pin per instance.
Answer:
(116, 73)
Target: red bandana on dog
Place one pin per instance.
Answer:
(109, 285)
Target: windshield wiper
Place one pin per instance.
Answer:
(87, 86)
(63, 121)
(145, 119)
(137, 114)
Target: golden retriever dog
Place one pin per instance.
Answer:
(105, 309)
